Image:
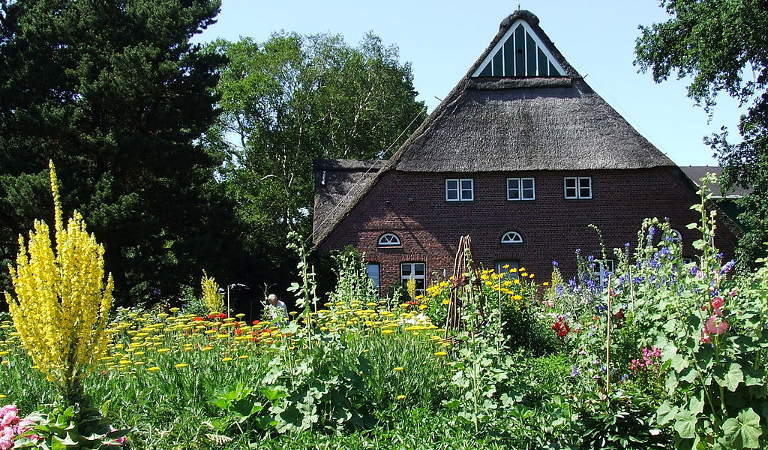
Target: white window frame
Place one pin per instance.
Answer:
(510, 238)
(578, 187)
(459, 190)
(389, 243)
(412, 275)
(603, 266)
(521, 190)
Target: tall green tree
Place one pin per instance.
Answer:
(116, 95)
(293, 99)
(722, 45)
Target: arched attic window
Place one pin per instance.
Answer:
(520, 53)
(511, 237)
(389, 240)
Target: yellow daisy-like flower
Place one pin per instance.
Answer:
(175, 310)
(206, 348)
(181, 365)
(2, 396)
(242, 357)
(227, 359)
(398, 369)
(153, 369)
(440, 353)
(163, 350)
(400, 397)
(387, 331)
(446, 301)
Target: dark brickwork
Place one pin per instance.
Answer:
(413, 206)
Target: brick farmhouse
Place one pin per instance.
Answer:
(522, 155)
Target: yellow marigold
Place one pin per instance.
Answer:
(62, 297)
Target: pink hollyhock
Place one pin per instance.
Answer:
(717, 305)
(716, 326)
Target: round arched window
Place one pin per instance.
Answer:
(511, 237)
(389, 240)
(675, 236)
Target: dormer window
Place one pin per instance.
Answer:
(511, 237)
(389, 240)
(459, 189)
(520, 53)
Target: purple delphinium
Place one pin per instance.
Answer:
(727, 267)
(555, 264)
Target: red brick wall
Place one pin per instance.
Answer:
(413, 206)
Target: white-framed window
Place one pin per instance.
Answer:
(459, 189)
(521, 189)
(511, 237)
(577, 187)
(374, 273)
(675, 236)
(389, 240)
(508, 269)
(604, 267)
(416, 271)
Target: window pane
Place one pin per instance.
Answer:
(373, 274)
(420, 285)
(405, 270)
(527, 193)
(570, 192)
(527, 183)
(585, 192)
(585, 182)
(513, 183)
(466, 194)
(570, 182)
(419, 268)
(452, 194)
(513, 189)
(452, 184)
(466, 184)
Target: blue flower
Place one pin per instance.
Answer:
(575, 371)
(727, 267)
(554, 263)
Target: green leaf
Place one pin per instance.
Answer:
(744, 430)
(679, 362)
(696, 404)
(685, 424)
(732, 378)
(666, 413)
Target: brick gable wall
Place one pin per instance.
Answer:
(413, 206)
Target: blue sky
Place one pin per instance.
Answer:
(441, 39)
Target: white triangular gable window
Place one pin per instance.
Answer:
(520, 53)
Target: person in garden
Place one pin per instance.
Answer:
(275, 309)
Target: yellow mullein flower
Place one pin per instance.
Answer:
(65, 335)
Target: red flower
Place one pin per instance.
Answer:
(238, 331)
(560, 327)
(198, 319)
(256, 322)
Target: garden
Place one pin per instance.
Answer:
(661, 353)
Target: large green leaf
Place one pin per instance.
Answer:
(685, 424)
(744, 430)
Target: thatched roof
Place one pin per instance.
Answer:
(491, 124)
(334, 179)
(695, 173)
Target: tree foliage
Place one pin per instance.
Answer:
(293, 99)
(722, 45)
(113, 92)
